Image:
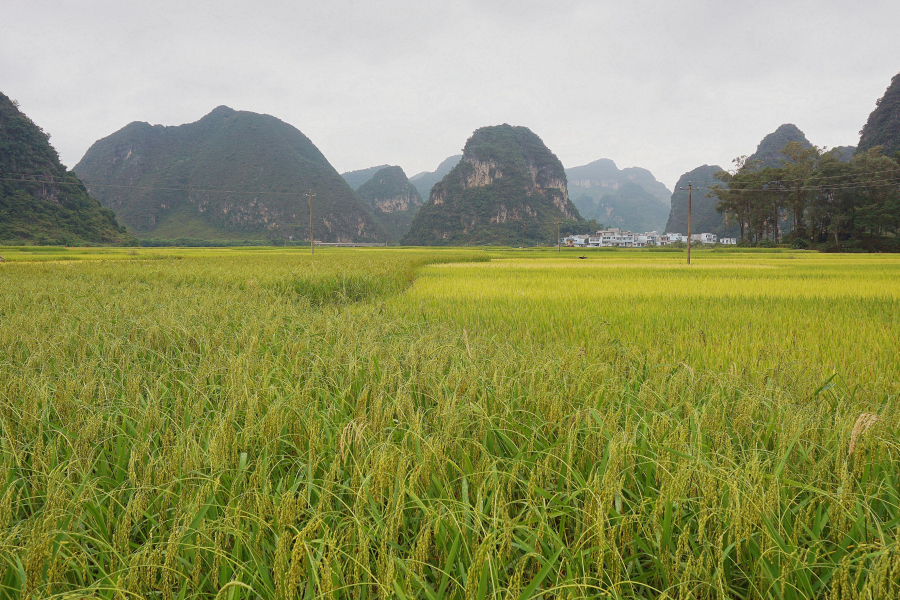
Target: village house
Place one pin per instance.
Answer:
(615, 237)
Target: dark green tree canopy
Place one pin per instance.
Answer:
(816, 198)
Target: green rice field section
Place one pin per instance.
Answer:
(783, 315)
(447, 423)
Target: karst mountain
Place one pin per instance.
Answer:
(230, 175)
(392, 199)
(508, 185)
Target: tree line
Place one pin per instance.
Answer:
(815, 199)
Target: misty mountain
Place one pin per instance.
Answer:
(629, 198)
(425, 180)
(356, 178)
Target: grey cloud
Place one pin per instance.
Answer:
(662, 85)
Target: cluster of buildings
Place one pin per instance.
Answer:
(617, 238)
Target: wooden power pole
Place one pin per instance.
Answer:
(558, 242)
(312, 245)
(689, 189)
(523, 234)
(689, 223)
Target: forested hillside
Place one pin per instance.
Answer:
(230, 175)
(883, 127)
(508, 186)
(816, 198)
(40, 201)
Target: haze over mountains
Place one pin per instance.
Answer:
(238, 175)
(425, 180)
(356, 178)
(629, 198)
(393, 200)
(232, 175)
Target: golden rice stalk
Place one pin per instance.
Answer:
(863, 424)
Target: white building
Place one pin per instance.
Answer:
(577, 241)
(616, 238)
(704, 238)
(728, 241)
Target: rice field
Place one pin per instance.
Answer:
(468, 424)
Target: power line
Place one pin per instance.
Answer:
(52, 180)
(847, 186)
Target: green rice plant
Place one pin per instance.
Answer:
(257, 423)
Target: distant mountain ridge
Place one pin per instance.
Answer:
(425, 180)
(356, 178)
(54, 206)
(768, 152)
(393, 200)
(232, 174)
(507, 186)
(629, 198)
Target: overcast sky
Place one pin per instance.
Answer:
(666, 86)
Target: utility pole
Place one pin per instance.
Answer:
(689, 190)
(558, 242)
(312, 246)
(689, 223)
(523, 234)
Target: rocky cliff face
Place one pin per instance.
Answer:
(392, 199)
(883, 126)
(232, 174)
(41, 202)
(507, 181)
